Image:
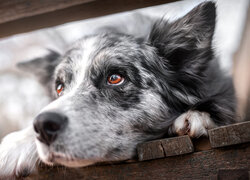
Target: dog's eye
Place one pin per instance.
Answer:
(59, 89)
(115, 79)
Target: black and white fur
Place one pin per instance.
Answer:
(172, 85)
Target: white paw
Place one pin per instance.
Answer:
(18, 155)
(193, 123)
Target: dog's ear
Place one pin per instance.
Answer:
(185, 44)
(43, 67)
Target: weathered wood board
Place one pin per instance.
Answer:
(164, 148)
(230, 135)
(17, 9)
(21, 16)
(233, 174)
(198, 165)
(218, 137)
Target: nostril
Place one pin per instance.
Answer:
(51, 127)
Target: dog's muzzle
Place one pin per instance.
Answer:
(48, 125)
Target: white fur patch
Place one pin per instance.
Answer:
(193, 123)
(43, 152)
(82, 61)
(18, 155)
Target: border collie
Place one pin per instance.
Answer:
(112, 91)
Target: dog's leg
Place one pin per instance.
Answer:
(193, 123)
(18, 154)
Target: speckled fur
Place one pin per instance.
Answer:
(168, 73)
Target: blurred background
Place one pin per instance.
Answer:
(21, 96)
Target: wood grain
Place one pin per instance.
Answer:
(198, 165)
(232, 174)
(164, 148)
(35, 19)
(150, 150)
(17, 9)
(230, 135)
(201, 144)
(177, 146)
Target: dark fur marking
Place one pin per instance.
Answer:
(119, 132)
(23, 173)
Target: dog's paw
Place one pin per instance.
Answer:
(193, 123)
(18, 155)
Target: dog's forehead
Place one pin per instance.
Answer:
(96, 51)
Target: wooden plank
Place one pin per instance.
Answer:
(230, 135)
(177, 146)
(164, 148)
(201, 144)
(198, 165)
(232, 174)
(82, 11)
(17, 9)
(150, 150)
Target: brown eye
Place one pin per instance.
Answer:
(115, 79)
(59, 89)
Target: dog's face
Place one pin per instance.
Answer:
(114, 91)
(108, 97)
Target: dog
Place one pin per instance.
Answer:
(112, 91)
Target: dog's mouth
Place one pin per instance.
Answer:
(57, 158)
(50, 157)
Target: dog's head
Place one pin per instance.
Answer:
(114, 91)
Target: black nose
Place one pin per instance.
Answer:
(48, 125)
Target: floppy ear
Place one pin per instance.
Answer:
(185, 44)
(43, 68)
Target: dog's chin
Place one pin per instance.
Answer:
(50, 158)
